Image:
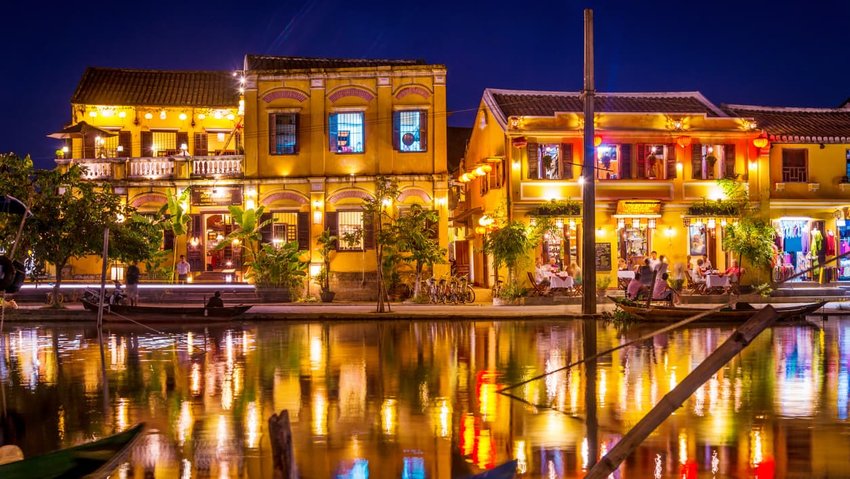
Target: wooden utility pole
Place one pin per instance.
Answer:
(674, 399)
(588, 191)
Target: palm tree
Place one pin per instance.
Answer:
(175, 217)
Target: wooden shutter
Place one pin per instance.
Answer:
(729, 161)
(396, 130)
(297, 118)
(125, 141)
(532, 161)
(626, 161)
(332, 132)
(567, 160)
(168, 240)
(641, 161)
(201, 144)
(332, 225)
(423, 130)
(182, 139)
(696, 161)
(368, 231)
(147, 143)
(195, 224)
(272, 131)
(267, 231)
(88, 146)
(304, 231)
(671, 161)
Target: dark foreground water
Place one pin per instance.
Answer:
(418, 400)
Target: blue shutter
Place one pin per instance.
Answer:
(396, 130)
(332, 131)
(423, 130)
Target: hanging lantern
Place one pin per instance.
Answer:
(761, 141)
(621, 223)
(683, 141)
(636, 223)
(597, 140)
(487, 168)
(711, 224)
(650, 223)
(519, 142)
(722, 222)
(572, 224)
(480, 171)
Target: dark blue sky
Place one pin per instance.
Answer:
(782, 52)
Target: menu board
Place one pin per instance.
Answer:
(603, 256)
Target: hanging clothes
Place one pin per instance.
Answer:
(793, 236)
(817, 242)
(805, 240)
(830, 243)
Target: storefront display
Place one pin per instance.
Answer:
(800, 246)
(841, 245)
(561, 243)
(634, 245)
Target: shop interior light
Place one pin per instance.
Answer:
(723, 222)
(621, 223)
(670, 232)
(636, 223)
(650, 223)
(840, 222)
(711, 224)
(572, 224)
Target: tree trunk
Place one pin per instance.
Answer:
(417, 279)
(55, 301)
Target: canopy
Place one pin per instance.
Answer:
(80, 130)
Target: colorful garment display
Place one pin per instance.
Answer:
(830, 243)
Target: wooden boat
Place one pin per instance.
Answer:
(96, 459)
(503, 471)
(167, 313)
(741, 313)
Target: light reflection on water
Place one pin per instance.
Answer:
(420, 399)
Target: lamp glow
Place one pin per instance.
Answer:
(148, 115)
(597, 140)
(182, 116)
(162, 115)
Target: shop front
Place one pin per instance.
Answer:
(636, 221)
(561, 243)
(705, 239)
(803, 243)
(208, 249)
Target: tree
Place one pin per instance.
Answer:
(417, 240)
(248, 232)
(508, 245)
(326, 243)
(751, 239)
(174, 217)
(69, 215)
(378, 210)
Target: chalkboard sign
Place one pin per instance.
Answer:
(603, 256)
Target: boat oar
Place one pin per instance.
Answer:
(665, 329)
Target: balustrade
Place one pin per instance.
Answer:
(96, 170)
(229, 165)
(150, 168)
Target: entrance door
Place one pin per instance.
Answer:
(217, 227)
(461, 258)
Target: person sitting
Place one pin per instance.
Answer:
(215, 301)
(575, 272)
(645, 272)
(541, 272)
(733, 272)
(700, 270)
(117, 296)
(635, 287)
(661, 291)
(622, 265)
(553, 265)
(653, 260)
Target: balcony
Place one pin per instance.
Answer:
(150, 168)
(96, 169)
(230, 166)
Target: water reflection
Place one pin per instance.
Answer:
(420, 400)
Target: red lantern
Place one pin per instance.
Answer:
(761, 141)
(597, 140)
(683, 141)
(519, 142)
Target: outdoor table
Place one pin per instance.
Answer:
(715, 281)
(559, 282)
(623, 278)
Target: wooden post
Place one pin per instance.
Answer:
(281, 439)
(103, 277)
(651, 288)
(588, 173)
(739, 340)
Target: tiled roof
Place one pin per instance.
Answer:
(546, 103)
(275, 63)
(798, 125)
(114, 86)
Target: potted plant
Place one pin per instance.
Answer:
(602, 283)
(277, 271)
(326, 242)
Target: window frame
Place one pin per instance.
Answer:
(422, 118)
(341, 246)
(617, 172)
(334, 140)
(541, 169)
(786, 175)
(275, 133)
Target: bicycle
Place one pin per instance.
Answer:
(497, 287)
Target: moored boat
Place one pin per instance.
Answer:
(96, 459)
(741, 313)
(167, 313)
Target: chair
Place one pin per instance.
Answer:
(694, 286)
(735, 283)
(539, 289)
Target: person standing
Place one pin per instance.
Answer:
(133, 275)
(183, 269)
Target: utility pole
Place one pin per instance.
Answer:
(588, 192)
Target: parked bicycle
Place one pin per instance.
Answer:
(450, 289)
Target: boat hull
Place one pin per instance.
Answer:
(95, 459)
(115, 312)
(667, 314)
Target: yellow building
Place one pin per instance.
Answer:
(656, 155)
(303, 137)
(807, 184)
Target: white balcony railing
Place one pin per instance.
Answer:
(228, 165)
(150, 168)
(95, 170)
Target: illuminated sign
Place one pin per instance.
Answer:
(638, 207)
(217, 196)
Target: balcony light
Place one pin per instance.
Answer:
(148, 115)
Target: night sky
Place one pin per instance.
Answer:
(769, 52)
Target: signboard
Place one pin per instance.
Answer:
(638, 207)
(217, 196)
(603, 256)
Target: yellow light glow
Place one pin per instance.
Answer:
(683, 447)
(217, 115)
(231, 116)
(182, 116)
(389, 416)
(754, 165)
(386, 202)
(585, 452)
(320, 413)
(121, 415)
(250, 204)
(148, 115)
(252, 421)
(669, 232)
(679, 167)
(162, 115)
(600, 232)
(184, 422)
(122, 114)
(317, 217)
(93, 114)
(521, 457)
(516, 165)
(108, 112)
(581, 180)
(202, 116)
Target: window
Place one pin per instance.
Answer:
(652, 162)
(608, 162)
(794, 166)
(283, 133)
(710, 162)
(284, 227)
(410, 130)
(346, 132)
(550, 161)
(847, 166)
(350, 227)
(107, 147)
(164, 142)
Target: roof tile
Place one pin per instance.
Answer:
(798, 125)
(277, 63)
(114, 86)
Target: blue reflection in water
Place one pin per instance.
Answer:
(414, 468)
(843, 386)
(358, 469)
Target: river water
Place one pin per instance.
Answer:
(419, 400)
